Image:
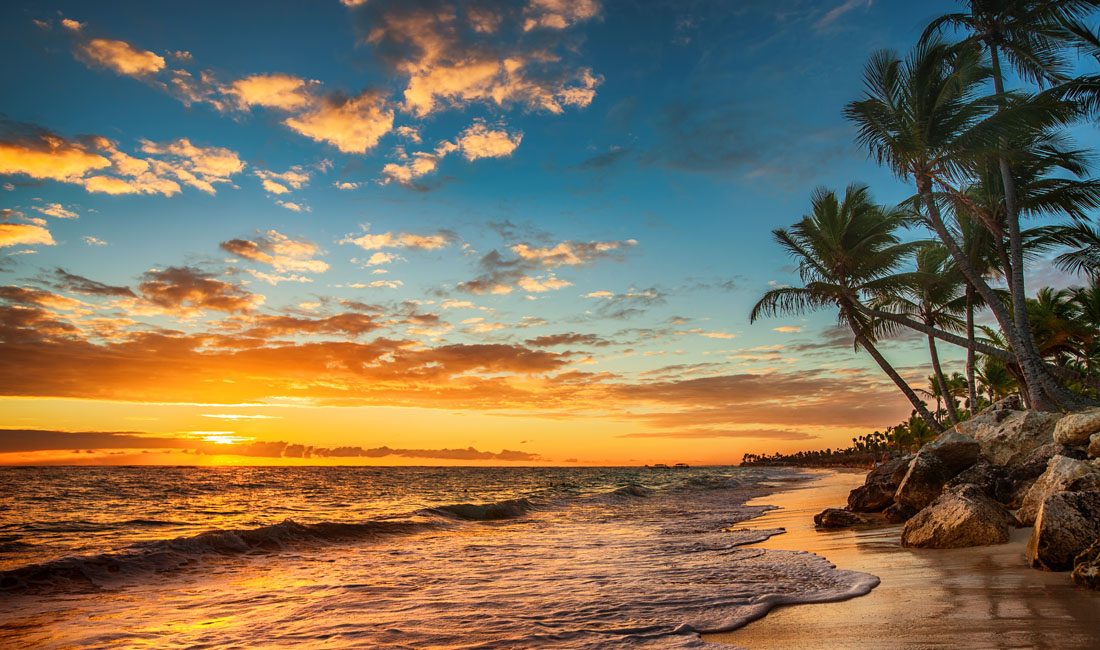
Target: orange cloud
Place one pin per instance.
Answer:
(24, 234)
(351, 124)
(190, 289)
(279, 251)
(376, 241)
(280, 91)
(121, 57)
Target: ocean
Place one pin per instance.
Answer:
(393, 557)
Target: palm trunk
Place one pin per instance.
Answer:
(1044, 393)
(1008, 326)
(941, 381)
(971, 384)
(918, 405)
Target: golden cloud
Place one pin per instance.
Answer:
(24, 234)
(281, 91)
(351, 124)
(120, 56)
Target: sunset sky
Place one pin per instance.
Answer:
(426, 232)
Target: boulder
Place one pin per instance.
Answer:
(1086, 567)
(1007, 436)
(839, 518)
(1068, 522)
(877, 492)
(1061, 472)
(1075, 429)
(1094, 446)
(993, 480)
(1032, 466)
(962, 516)
(934, 465)
(898, 513)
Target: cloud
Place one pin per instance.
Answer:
(65, 281)
(353, 324)
(377, 241)
(277, 90)
(475, 142)
(24, 234)
(56, 210)
(833, 14)
(558, 14)
(189, 289)
(29, 440)
(279, 251)
(99, 165)
(294, 178)
(453, 54)
(629, 304)
(121, 57)
(351, 124)
(571, 253)
(570, 338)
(764, 434)
(91, 240)
(787, 329)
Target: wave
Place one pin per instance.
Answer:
(633, 490)
(509, 509)
(95, 571)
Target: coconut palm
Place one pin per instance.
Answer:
(996, 379)
(926, 119)
(847, 250)
(1083, 238)
(934, 294)
(1031, 36)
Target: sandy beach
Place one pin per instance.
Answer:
(981, 597)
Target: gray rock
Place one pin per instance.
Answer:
(993, 480)
(1061, 472)
(934, 465)
(1068, 522)
(1086, 567)
(1094, 446)
(898, 513)
(962, 516)
(877, 492)
(1024, 474)
(1008, 436)
(839, 518)
(1075, 429)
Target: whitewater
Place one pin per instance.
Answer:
(393, 557)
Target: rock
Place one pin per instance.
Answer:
(1068, 522)
(1033, 466)
(1061, 471)
(877, 492)
(993, 480)
(1094, 446)
(962, 516)
(839, 518)
(934, 465)
(1007, 436)
(1075, 429)
(1086, 567)
(898, 513)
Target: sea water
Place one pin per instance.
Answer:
(410, 557)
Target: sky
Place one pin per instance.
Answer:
(427, 232)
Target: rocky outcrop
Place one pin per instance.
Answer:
(994, 481)
(877, 492)
(1008, 436)
(1075, 429)
(934, 465)
(1060, 473)
(839, 518)
(962, 516)
(1086, 567)
(1067, 524)
(898, 513)
(1094, 446)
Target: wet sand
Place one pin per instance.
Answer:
(961, 598)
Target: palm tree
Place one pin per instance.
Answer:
(934, 295)
(996, 379)
(925, 119)
(1082, 237)
(1031, 35)
(846, 251)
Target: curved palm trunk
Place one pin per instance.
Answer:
(971, 384)
(941, 381)
(1041, 392)
(895, 377)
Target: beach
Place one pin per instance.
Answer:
(983, 597)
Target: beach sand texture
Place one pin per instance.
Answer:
(983, 597)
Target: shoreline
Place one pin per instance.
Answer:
(972, 597)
